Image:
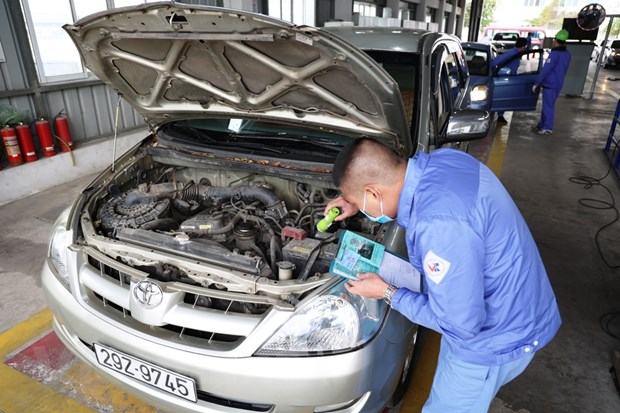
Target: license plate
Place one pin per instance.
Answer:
(145, 372)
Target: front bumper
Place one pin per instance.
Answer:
(283, 384)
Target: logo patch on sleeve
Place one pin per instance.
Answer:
(435, 267)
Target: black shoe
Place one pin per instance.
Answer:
(501, 119)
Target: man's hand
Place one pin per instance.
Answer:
(346, 209)
(368, 285)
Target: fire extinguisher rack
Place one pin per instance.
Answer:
(612, 149)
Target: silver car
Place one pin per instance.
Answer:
(190, 272)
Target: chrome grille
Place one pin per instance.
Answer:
(107, 286)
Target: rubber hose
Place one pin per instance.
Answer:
(274, 251)
(244, 192)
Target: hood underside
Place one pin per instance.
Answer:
(174, 61)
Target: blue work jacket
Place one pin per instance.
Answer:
(486, 288)
(504, 57)
(554, 71)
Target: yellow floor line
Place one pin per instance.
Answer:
(424, 371)
(498, 150)
(84, 380)
(20, 393)
(25, 331)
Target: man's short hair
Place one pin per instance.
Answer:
(364, 161)
(521, 42)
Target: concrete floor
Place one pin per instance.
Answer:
(571, 374)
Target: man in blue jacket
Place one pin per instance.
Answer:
(510, 60)
(551, 79)
(486, 289)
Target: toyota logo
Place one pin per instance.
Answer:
(148, 293)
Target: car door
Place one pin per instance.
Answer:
(478, 62)
(449, 80)
(513, 91)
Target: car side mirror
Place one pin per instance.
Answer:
(504, 71)
(466, 125)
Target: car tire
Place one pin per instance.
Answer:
(406, 374)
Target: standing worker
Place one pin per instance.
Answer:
(551, 79)
(487, 292)
(511, 61)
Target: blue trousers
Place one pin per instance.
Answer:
(549, 96)
(461, 387)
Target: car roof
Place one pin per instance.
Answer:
(476, 45)
(380, 38)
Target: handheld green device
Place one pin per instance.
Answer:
(324, 224)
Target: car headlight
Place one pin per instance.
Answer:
(479, 93)
(334, 322)
(57, 251)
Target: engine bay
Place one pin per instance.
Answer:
(258, 226)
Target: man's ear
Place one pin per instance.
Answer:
(372, 190)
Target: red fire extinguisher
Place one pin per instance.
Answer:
(45, 137)
(61, 125)
(26, 144)
(11, 146)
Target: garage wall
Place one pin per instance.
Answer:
(89, 104)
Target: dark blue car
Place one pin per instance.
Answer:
(495, 87)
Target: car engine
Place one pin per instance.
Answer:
(263, 226)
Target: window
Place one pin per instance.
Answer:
(441, 101)
(506, 36)
(524, 64)
(364, 8)
(299, 12)
(403, 67)
(431, 15)
(568, 3)
(45, 19)
(535, 3)
(477, 62)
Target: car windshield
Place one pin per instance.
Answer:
(615, 44)
(403, 67)
(506, 36)
(257, 137)
(477, 62)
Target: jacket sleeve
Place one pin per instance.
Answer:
(503, 58)
(552, 60)
(453, 261)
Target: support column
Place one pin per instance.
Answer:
(343, 10)
(474, 23)
(451, 29)
(395, 6)
(439, 15)
(420, 14)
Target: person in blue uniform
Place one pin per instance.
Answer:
(511, 60)
(486, 288)
(551, 80)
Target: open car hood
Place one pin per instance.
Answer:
(173, 61)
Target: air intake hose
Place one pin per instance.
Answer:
(219, 194)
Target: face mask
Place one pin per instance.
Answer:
(381, 219)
